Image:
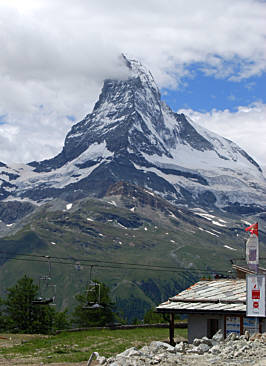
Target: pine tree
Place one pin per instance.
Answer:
(23, 316)
(85, 315)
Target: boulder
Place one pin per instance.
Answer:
(219, 336)
(181, 347)
(208, 341)
(230, 337)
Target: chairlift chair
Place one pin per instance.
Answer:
(93, 287)
(42, 300)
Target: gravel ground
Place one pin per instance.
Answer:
(234, 351)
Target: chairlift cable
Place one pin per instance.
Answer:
(115, 264)
(108, 262)
(133, 267)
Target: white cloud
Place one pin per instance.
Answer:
(246, 127)
(54, 55)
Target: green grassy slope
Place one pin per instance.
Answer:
(112, 235)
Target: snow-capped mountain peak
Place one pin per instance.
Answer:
(131, 135)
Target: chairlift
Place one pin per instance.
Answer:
(93, 288)
(45, 300)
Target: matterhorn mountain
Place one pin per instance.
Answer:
(133, 136)
(135, 183)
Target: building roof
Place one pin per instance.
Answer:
(242, 271)
(223, 296)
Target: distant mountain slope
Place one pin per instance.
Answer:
(145, 248)
(132, 136)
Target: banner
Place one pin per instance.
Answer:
(252, 252)
(256, 295)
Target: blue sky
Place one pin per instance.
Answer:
(205, 93)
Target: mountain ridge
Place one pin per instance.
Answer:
(132, 136)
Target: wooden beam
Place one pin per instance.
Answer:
(241, 325)
(172, 329)
(210, 301)
(224, 326)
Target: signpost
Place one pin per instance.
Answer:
(255, 290)
(252, 253)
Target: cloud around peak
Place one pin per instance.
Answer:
(55, 54)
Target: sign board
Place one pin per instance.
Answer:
(232, 324)
(252, 252)
(250, 324)
(256, 295)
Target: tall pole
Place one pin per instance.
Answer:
(252, 257)
(172, 329)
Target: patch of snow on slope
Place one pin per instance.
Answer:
(218, 232)
(228, 247)
(226, 148)
(207, 231)
(218, 223)
(124, 227)
(67, 174)
(152, 194)
(69, 206)
(172, 215)
(223, 221)
(113, 203)
(205, 216)
(246, 222)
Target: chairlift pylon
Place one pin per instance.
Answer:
(42, 300)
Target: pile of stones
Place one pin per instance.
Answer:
(234, 350)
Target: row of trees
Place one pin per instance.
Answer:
(18, 313)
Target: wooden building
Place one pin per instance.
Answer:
(211, 305)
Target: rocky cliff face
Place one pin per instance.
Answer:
(132, 136)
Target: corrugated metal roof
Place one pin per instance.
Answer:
(217, 295)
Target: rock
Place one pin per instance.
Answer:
(230, 337)
(145, 350)
(196, 342)
(215, 350)
(200, 349)
(219, 336)
(155, 346)
(201, 353)
(101, 360)
(203, 347)
(194, 349)
(129, 352)
(247, 335)
(207, 341)
(180, 347)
